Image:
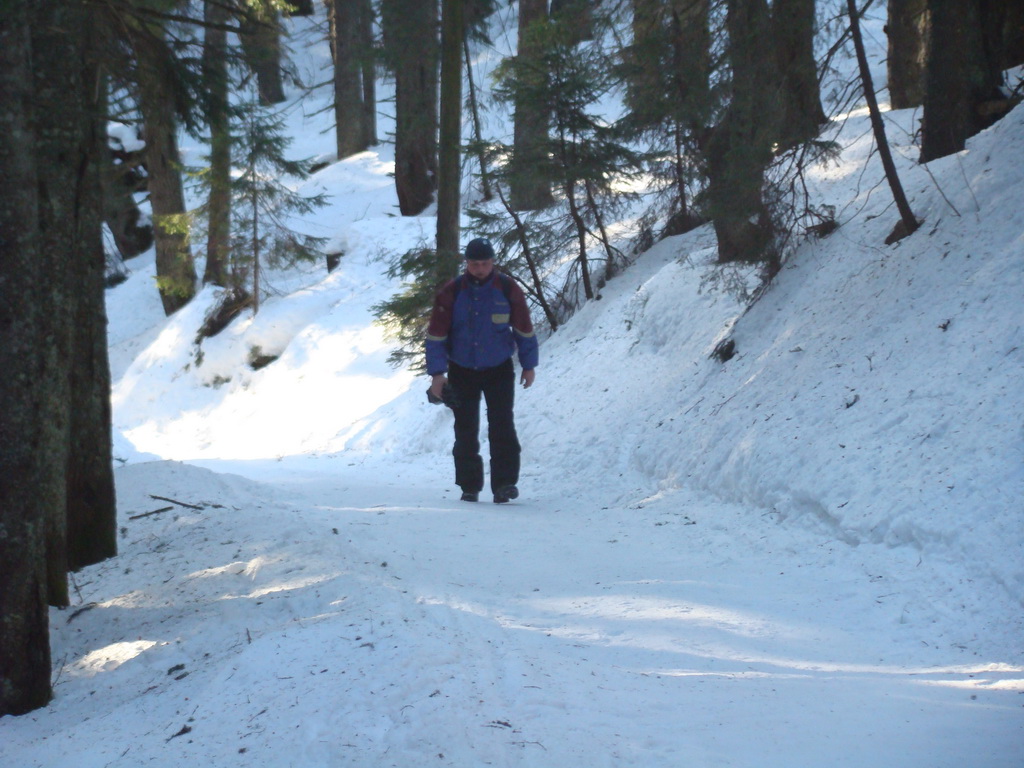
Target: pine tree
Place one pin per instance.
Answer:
(159, 95)
(354, 94)
(739, 148)
(586, 156)
(667, 75)
(262, 233)
(963, 73)
(218, 116)
(907, 30)
(529, 182)
(411, 50)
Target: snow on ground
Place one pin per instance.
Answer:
(810, 554)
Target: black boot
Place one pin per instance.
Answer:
(505, 494)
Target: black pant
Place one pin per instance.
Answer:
(498, 386)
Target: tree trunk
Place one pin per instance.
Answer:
(261, 41)
(25, 398)
(67, 152)
(367, 61)
(411, 39)
(91, 503)
(907, 29)
(531, 262)
(962, 73)
(474, 110)
(449, 167)
(691, 57)
(908, 222)
(691, 75)
(577, 15)
(175, 269)
(581, 239)
(529, 186)
(1013, 36)
(801, 113)
(740, 146)
(349, 114)
(215, 74)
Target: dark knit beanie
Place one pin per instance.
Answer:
(479, 250)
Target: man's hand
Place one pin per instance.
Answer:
(437, 382)
(527, 378)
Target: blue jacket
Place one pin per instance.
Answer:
(476, 326)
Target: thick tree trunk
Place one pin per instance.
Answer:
(801, 112)
(349, 115)
(261, 42)
(740, 146)
(691, 59)
(215, 72)
(175, 268)
(964, 55)
(691, 67)
(907, 29)
(577, 15)
(91, 504)
(411, 38)
(369, 71)
(68, 152)
(529, 186)
(1013, 36)
(449, 167)
(24, 398)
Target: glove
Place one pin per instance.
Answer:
(448, 397)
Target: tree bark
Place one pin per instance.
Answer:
(801, 113)
(739, 148)
(24, 401)
(412, 46)
(367, 62)
(175, 268)
(474, 110)
(261, 41)
(907, 29)
(215, 74)
(91, 503)
(349, 114)
(529, 187)
(449, 167)
(67, 157)
(577, 15)
(964, 55)
(581, 239)
(908, 222)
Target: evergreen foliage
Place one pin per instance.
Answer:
(405, 315)
(589, 160)
(261, 233)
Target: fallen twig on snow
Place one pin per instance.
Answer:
(175, 501)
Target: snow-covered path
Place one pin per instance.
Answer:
(555, 631)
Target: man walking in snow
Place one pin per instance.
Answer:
(479, 320)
